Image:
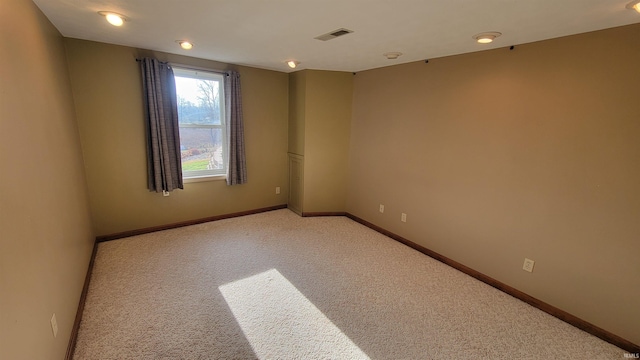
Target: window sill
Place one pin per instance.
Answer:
(204, 178)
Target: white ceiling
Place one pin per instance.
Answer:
(266, 33)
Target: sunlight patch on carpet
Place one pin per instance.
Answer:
(281, 323)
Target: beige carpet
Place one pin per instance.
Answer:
(278, 286)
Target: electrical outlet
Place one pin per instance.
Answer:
(528, 265)
(54, 325)
(403, 217)
(277, 190)
(381, 208)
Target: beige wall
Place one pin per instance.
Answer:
(45, 229)
(500, 155)
(107, 91)
(327, 131)
(319, 130)
(297, 102)
(495, 156)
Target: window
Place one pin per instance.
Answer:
(201, 120)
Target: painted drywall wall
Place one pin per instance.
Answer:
(297, 102)
(319, 130)
(108, 96)
(500, 155)
(45, 229)
(327, 129)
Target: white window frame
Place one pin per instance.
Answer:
(211, 174)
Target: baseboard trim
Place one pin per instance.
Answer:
(549, 309)
(326, 213)
(129, 233)
(83, 297)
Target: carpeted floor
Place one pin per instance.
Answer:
(278, 286)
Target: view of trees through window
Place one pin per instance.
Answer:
(201, 121)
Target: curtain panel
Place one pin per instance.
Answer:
(164, 165)
(237, 168)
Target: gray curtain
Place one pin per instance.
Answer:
(163, 138)
(237, 169)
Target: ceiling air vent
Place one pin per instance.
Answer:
(334, 34)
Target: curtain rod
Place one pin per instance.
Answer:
(191, 67)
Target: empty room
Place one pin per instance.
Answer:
(361, 179)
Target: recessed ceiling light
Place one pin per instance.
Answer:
(634, 5)
(114, 19)
(292, 63)
(185, 44)
(486, 37)
(392, 55)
